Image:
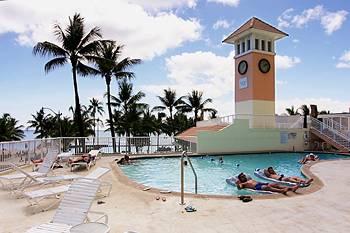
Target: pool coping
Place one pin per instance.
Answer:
(316, 185)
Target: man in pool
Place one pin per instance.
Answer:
(244, 182)
(309, 157)
(270, 173)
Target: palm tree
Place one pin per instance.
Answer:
(9, 129)
(305, 112)
(95, 107)
(169, 101)
(291, 111)
(129, 106)
(40, 123)
(194, 102)
(110, 67)
(75, 48)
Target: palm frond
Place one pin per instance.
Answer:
(55, 63)
(92, 35)
(85, 70)
(49, 49)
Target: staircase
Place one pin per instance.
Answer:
(330, 135)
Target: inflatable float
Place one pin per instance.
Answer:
(233, 179)
(260, 173)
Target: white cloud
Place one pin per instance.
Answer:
(281, 82)
(333, 21)
(330, 21)
(344, 60)
(156, 5)
(203, 71)
(295, 41)
(286, 62)
(226, 2)
(144, 35)
(328, 104)
(221, 24)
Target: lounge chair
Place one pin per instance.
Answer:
(92, 160)
(14, 181)
(74, 208)
(35, 197)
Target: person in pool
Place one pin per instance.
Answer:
(309, 157)
(270, 173)
(244, 182)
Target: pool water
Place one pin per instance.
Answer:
(164, 173)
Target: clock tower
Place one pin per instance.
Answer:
(254, 45)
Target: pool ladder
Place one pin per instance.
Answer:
(184, 154)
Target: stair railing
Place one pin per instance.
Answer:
(330, 133)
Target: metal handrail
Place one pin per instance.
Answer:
(184, 153)
(336, 135)
(334, 123)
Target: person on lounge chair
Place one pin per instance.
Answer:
(309, 157)
(83, 158)
(270, 173)
(243, 182)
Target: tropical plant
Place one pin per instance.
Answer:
(194, 102)
(325, 112)
(129, 106)
(9, 129)
(169, 101)
(109, 67)
(40, 124)
(291, 111)
(95, 107)
(76, 47)
(305, 112)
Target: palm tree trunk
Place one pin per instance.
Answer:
(195, 116)
(108, 82)
(78, 117)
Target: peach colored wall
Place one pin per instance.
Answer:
(260, 86)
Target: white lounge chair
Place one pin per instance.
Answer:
(74, 208)
(93, 155)
(35, 197)
(14, 181)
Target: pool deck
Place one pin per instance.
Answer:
(131, 209)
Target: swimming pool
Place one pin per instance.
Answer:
(164, 173)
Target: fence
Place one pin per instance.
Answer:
(257, 121)
(21, 152)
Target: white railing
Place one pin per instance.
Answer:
(330, 133)
(257, 121)
(336, 125)
(21, 152)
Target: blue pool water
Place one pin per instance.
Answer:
(164, 173)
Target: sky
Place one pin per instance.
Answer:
(180, 43)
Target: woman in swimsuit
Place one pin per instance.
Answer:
(270, 173)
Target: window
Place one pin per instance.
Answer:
(269, 47)
(238, 48)
(248, 45)
(257, 44)
(262, 45)
(243, 47)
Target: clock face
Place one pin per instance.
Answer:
(243, 67)
(264, 65)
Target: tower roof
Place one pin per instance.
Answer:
(257, 24)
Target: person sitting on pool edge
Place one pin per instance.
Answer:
(124, 160)
(243, 182)
(309, 157)
(270, 173)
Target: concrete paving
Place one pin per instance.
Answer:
(131, 209)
